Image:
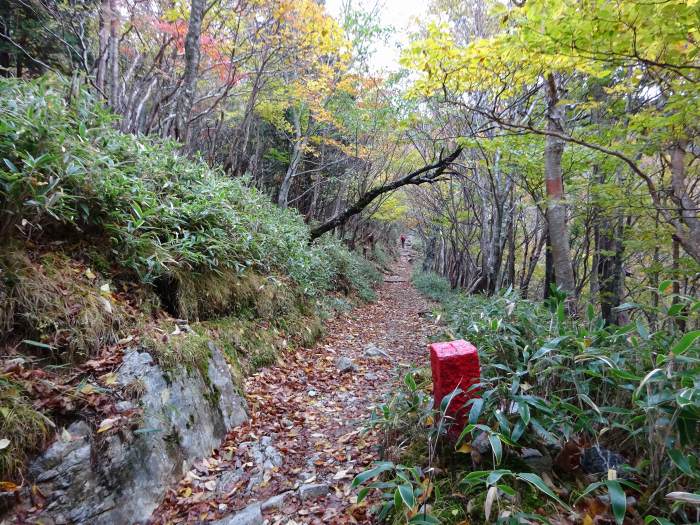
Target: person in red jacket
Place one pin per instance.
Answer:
(403, 241)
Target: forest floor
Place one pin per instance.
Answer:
(307, 436)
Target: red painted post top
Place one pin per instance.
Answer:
(455, 364)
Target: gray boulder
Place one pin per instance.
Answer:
(535, 460)
(313, 490)
(120, 477)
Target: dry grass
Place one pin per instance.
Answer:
(24, 428)
(57, 302)
(211, 295)
(170, 351)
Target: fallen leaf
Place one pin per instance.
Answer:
(109, 379)
(340, 474)
(87, 389)
(8, 486)
(107, 424)
(465, 448)
(210, 485)
(490, 498)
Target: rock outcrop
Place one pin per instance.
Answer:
(120, 477)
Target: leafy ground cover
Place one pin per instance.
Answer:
(315, 416)
(576, 422)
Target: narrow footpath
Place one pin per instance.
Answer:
(294, 461)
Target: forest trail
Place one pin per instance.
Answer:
(294, 461)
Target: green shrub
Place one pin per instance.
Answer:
(65, 172)
(549, 380)
(432, 285)
(347, 271)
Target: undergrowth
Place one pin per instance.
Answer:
(23, 430)
(66, 169)
(109, 237)
(135, 210)
(560, 389)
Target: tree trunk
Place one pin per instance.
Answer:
(103, 42)
(113, 56)
(297, 156)
(688, 231)
(548, 266)
(556, 207)
(510, 270)
(189, 78)
(609, 270)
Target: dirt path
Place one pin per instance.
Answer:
(305, 442)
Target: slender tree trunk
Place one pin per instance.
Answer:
(5, 61)
(680, 323)
(688, 231)
(189, 78)
(103, 42)
(113, 55)
(548, 267)
(609, 269)
(297, 156)
(510, 279)
(556, 207)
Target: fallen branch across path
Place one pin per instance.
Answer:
(426, 174)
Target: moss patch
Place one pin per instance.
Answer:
(190, 350)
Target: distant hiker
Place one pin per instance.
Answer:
(403, 241)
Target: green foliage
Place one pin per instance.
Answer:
(66, 169)
(345, 270)
(548, 379)
(432, 285)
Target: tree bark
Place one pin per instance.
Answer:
(113, 56)
(609, 269)
(298, 148)
(189, 79)
(688, 231)
(556, 207)
(103, 39)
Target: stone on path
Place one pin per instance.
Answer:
(345, 364)
(313, 490)
(372, 350)
(251, 515)
(275, 502)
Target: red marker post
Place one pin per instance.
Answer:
(455, 364)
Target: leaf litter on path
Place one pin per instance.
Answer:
(312, 415)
